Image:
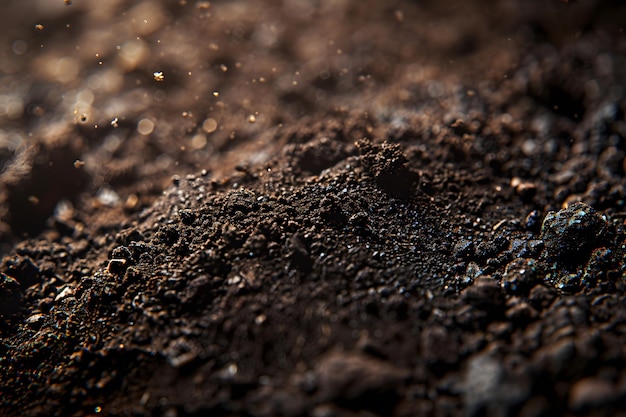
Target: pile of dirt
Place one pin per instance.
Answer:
(313, 208)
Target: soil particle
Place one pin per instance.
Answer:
(521, 275)
(485, 293)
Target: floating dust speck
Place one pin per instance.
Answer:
(132, 53)
(65, 69)
(224, 68)
(232, 369)
(252, 118)
(160, 95)
(83, 118)
(115, 122)
(209, 125)
(19, 47)
(38, 111)
(85, 96)
(67, 2)
(145, 126)
(33, 200)
(12, 106)
(146, 17)
(216, 93)
(198, 141)
(78, 163)
(64, 210)
(107, 197)
(158, 76)
(132, 202)
(260, 319)
(39, 26)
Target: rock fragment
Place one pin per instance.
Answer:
(570, 234)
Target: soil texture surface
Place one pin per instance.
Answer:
(312, 208)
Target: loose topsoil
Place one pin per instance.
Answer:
(312, 208)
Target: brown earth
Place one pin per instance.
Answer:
(312, 208)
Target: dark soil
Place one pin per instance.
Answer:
(312, 208)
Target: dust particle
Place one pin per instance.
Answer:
(145, 126)
(209, 125)
(158, 76)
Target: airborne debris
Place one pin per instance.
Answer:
(145, 126)
(209, 125)
(158, 76)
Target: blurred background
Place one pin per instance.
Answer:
(102, 102)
